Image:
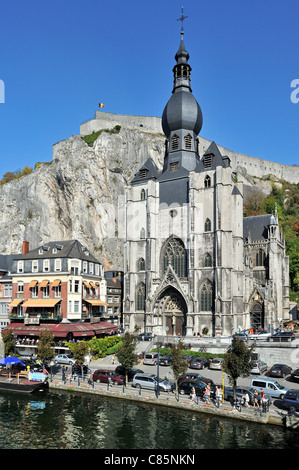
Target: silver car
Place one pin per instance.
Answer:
(258, 367)
(64, 359)
(216, 363)
(151, 382)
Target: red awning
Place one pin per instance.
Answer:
(61, 330)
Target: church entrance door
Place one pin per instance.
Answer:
(174, 314)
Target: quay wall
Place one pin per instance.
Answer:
(226, 411)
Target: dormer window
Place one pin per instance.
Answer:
(208, 161)
(174, 166)
(143, 173)
(20, 268)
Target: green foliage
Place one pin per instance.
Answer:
(91, 138)
(99, 347)
(237, 361)
(45, 345)
(9, 343)
(178, 364)
(126, 354)
(286, 200)
(12, 175)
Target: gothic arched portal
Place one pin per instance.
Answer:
(172, 306)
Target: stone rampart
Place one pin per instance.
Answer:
(254, 166)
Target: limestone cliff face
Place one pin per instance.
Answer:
(79, 195)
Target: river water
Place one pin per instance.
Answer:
(66, 420)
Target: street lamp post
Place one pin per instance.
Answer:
(157, 388)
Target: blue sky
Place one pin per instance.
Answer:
(59, 59)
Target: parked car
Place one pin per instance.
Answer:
(280, 370)
(195, 377)
(243, 336)
(261, 335)
(240, 392)
(165, 360)
(64, 359)
(103, 376)
(199, 363)
(151, 359)
(152, 382)
(185, 386)
(120, 370)
(270, 386)
(295, 375)
(187, 358)
(291, 400)
(77, 370)
(282, 336)
(145, 336)
(216, 363)
(258, 367)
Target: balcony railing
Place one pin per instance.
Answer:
(41, 316)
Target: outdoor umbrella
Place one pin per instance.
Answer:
(11, 360)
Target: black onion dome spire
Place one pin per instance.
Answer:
(182, 110)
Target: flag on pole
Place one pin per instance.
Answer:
(101, 105)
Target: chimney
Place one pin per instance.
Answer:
(25, 247)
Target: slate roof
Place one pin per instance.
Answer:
(153, 172)
(65, 249)
(6, 262)
(257, 226)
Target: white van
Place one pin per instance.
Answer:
(151, 359)
(270, 387)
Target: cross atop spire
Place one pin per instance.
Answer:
(182, 18)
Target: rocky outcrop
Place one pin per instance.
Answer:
(79, 195)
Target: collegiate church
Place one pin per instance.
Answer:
(192, 261)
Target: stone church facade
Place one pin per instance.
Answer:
(191, 260)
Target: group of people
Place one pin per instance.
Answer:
(258, 399)
(207, 394)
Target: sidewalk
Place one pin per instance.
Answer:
(164, 399)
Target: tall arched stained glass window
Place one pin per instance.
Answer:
(140, 297)
(206, 298)
(260, 258)
(174, 254)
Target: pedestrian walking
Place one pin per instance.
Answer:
(207, 394)
(246, 399)
(89, 378)
(255, 399)
(63, 371)
(218, 396)
(193, 394)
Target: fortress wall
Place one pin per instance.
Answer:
(108, 121)
(254, 166)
